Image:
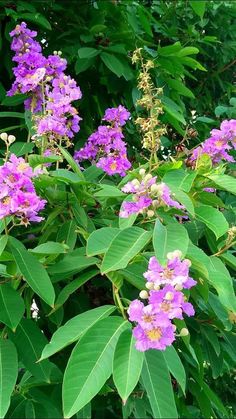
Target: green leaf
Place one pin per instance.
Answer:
(108, 191)
(37, 160)
(50, 248)
(90, 365)
(99, 241)
(36, 18)
(221, 280)
(167, 239)
(3, 243)
(156, 380)
(19, 148)
(224, 182)
(73, 286)
(112, 63)
(82, 64)
(180, 88)
(88, 52)
(72, 264)
(198, 7)
(175, 366)
(8, 374)
(74, 328)
(12, 115)
(127, 365)
(124, 247)
(213, 219)
(33, 272)
(11, 306)
(14, 101)
(30, 341)
(74, 166)
(67, 234)
(173, 109)
(180, 179)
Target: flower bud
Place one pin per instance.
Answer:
(156, 287)
(147, 177)
(54, 52)
(155, 188)
(4, 136)
(11, 139)
(149, 285)
(135, 182)
(188, 262)
(142, 172)
(169, 296)
(178, 287)
(174, 254)
(143, 294)
(184, 332)
(59, 53)
(150, 213)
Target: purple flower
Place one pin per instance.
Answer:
(18, 197)
(106, 147)
(117, 115)
(170, 302)
(156, 338)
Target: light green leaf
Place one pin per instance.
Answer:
(173, 109)
(167, 239)
(124, 247)
(70, 265)
(180, 88)
(180, 179)
(8, 374)
(90, 365)
(127, 365)
(108, 191)
(99, 241)
(199, 7)
(156, 380)
(33, 272)
(11, 306)
(3, 243)
(221, 280)
(175, 366)
(67, 234)
(74, 328)
(30, 341)
(12, 115)
(213, 219)
(50, 248)
(224, 182)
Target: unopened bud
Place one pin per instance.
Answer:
(149, 285)
(150, 213)
(135, 182)
(156, 287)
(179, 287)
(169, 296)
(174, 254)
(184, 332)
(142, 172)
(59, 53)
(188, 262)
(11, 139)
(155, 203)
(155, 188)
(4, 136)
(143, 294)
(147, 177)
(54, 52)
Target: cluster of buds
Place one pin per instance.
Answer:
(8, 140)
(147, 196)
(150, 125)
(164, 301)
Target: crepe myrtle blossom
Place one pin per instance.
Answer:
(219, 144)
(106, 147)
(51, 91)
(17, 193)
(165, 301)
(147, 195)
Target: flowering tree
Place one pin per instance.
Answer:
(117, 276)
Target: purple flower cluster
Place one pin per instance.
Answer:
(165, 302)
(147, 196)
(219, 144)
(51, 91)
(17, 192)
(106, 146)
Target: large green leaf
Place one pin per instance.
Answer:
(221, 280)
(74, 328)
(156, 380)
(30, 341)
(99, 240)
(167, 239)
(180, 179)
(8, 374)
(124, 247)
(213, 219)
(225, 182)
(199, 7)
(113, 63)
(90, 364)
(33, 272)
(11, 306)
(127, 365)
(175, 366)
